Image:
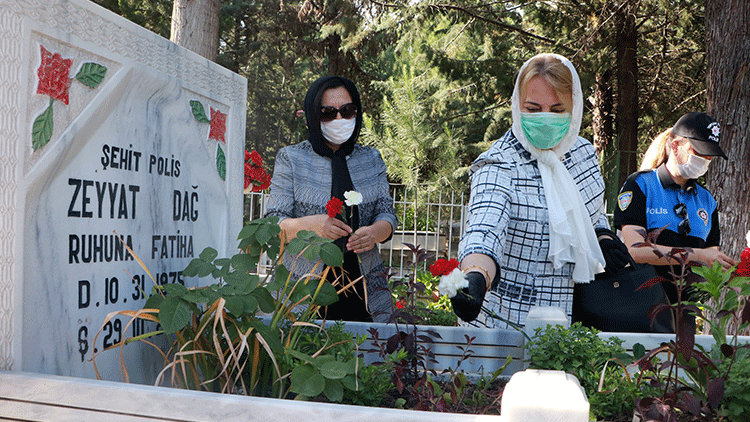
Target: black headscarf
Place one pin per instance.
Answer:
(341, 181)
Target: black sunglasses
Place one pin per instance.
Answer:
(328, 113)
(681, 210)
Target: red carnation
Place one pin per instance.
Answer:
(334, 206)
(257, 159)
(53, 75)
(263, 181)
(443, 267)
(745, 257)
(400, 304)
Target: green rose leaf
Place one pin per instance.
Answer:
(175, 289)
(238, 305)
(248, 230)
(198, 111)
(312, 252)
(208, 254)
(331, 255)
(91, 74)
(154, 301)
(327, 294)
(41, 131)
(279, 278)
(174, 314)
(265, 300)
(244, 262)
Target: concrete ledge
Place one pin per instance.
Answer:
(50, 398)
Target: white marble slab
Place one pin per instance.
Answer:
(57, 399)
(122, 150)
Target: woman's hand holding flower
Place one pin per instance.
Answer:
(468, 302)
(466, 291)
(362, 240)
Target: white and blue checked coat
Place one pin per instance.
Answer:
(508, 221)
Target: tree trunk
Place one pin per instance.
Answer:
(728, 92)
(627, 89)
(195, 26)
(602, 125)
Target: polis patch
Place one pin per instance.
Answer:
(624, 199)
(703, 214)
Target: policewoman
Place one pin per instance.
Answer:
(665, 193)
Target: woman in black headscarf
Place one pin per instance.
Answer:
(328, 164)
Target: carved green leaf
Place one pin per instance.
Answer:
(41, 132)
(91, 74)
(198, 112)
(221, 163)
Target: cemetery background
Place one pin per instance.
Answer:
(436, 77)
(71, 146)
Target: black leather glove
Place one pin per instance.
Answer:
(468, 301)
(615, 252)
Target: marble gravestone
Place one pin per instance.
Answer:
(115, 145)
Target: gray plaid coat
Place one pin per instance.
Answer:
(301, 186)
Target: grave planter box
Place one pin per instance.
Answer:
(490, 347)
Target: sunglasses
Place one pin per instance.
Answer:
(328, 113)
(681, 210)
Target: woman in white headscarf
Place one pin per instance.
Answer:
(537, 196)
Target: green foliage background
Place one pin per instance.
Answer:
(436, 77)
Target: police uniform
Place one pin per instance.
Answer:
(649, 198)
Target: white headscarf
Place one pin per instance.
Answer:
(571, 231)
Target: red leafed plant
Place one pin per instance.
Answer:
(699, 398)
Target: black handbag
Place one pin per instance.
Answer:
(612, 302)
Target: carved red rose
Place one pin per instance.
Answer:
(53, 75)
(218, 125)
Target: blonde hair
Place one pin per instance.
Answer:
(658, 152)
(551, 70)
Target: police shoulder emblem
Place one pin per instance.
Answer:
(623, 200)
(703, 214)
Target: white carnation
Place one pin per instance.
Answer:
(748, 239)
(352, 197)
(450, 284)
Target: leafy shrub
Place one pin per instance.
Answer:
(736, 404)
(579, 351)
(221, 343)
(692, 382)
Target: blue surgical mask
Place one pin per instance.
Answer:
(545, 130)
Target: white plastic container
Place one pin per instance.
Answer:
(541, 316)
(536, 395)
